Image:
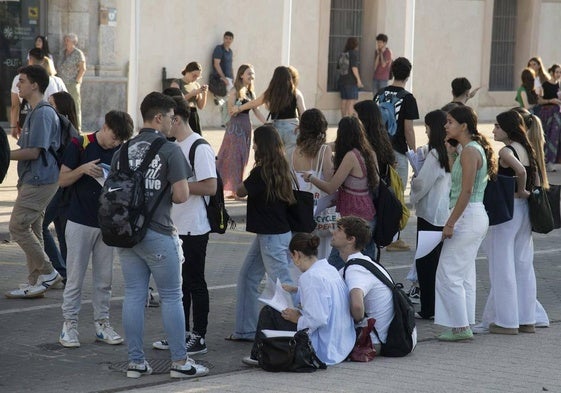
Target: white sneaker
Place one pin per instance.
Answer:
(69, 336)
(105, 332)
(164, 344)
(137, 370)
(26, 291)
(188, 370)
(48, 280)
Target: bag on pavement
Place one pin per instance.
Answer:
(295, 354)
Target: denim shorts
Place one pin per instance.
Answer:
(348, 92)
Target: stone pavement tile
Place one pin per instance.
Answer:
(490, 363)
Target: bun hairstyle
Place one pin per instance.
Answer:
(306, 243)
(465, 114)
(192, 66)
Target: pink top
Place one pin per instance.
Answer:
(355, 198)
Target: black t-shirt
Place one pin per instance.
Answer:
(407, 110)
(350, 78)
(84, 200)
(263, 217)
(550, 90)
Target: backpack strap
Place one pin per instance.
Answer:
(376, 270)
(192, 150)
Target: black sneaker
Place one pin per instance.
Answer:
(196, 344)
(414, 294)
(164, 345)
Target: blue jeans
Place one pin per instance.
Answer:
(337, 262)
(159, 255)
(287, 131)
(267, 253)
(56, 215)
(378, 84)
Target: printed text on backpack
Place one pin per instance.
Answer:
(343, 63)
(123, 214)
(390, 105)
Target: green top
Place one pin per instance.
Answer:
(518, 97)
(480, 178)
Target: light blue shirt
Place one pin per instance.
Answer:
(41, 130)
(326, 312)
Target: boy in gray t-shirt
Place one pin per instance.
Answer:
(37, 183)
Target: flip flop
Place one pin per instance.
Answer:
(231, 337)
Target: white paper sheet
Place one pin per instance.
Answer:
(281, 299)
(428, 240)
(278, 333)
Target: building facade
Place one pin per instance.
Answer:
(128, 43)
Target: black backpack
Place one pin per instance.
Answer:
(216, 212)
(389, 211)
(123, 214)
(402, 332)
(67, 132)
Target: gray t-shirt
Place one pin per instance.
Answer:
(169, 166)
(41, 129)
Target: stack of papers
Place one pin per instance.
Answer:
(278, 333)
(275, 296)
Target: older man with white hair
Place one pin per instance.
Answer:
(71, 69)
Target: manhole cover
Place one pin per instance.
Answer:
(159, 366)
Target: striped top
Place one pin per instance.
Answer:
(480, 178)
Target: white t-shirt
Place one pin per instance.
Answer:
(190, 217)
(55, 85)
(378, 300)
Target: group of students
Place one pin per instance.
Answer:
(540, 93)
(448, 195)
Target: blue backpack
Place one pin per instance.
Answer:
(390, 105)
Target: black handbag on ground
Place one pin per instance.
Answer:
(295, 354)
(301, 214)
(499, 199)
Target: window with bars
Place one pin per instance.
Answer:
(503, 43)
(345, 22)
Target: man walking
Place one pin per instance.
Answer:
(191, 221)
(405, 108)
(158, 253)
(37, 181)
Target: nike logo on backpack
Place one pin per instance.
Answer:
(111, 189)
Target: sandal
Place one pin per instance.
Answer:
(232, 337)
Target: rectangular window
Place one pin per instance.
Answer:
(345, 22)
(503, 43)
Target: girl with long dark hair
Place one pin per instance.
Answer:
(511, 304)
(466, 226)
(285, 103)
(550, 116)
(355, 176)
(269, 193)
(430, 193)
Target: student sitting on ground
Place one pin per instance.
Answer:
(324, 305)
(368, 295)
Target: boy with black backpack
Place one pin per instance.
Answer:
(157, 250)
(192, 223)
(373, 294)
